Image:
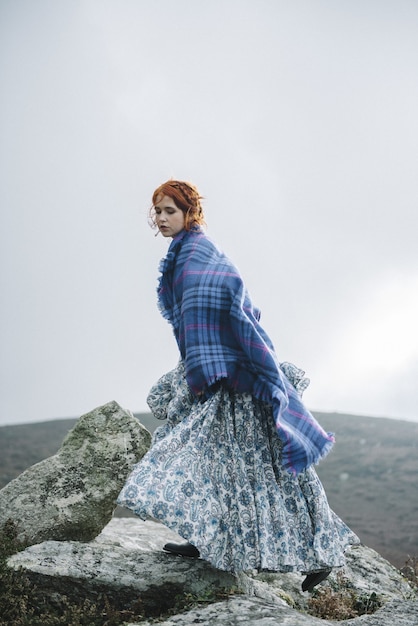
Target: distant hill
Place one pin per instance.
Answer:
(370, 476)
(371, 481)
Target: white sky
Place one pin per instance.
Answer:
(298, 122)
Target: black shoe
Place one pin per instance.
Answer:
(312, 580)
(183, 549)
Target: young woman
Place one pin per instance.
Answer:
(231, 471)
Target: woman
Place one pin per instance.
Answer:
(231, 470)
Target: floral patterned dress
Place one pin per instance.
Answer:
(214, 476)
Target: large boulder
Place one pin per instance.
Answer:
(71, 495)
(126, 563)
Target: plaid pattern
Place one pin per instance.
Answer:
(220, 338)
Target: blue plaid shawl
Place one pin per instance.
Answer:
(219, 337)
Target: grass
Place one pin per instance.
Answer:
(410, 571)
(341, 602)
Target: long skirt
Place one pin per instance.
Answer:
(214, 476)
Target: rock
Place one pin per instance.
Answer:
(71, 495)
(395, 613)
(62, 504)
(241, 611)
(126, 563)
(124, 566)
(245, 611)
(365, 572)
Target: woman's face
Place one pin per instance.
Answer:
(169, 218)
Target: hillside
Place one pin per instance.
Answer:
(371, 481)
(370, 476)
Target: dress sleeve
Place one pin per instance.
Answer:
(160, 395)
(295, 376)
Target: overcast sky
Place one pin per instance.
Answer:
(298, 122)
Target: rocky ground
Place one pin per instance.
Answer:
(126, 561)
(62, 508)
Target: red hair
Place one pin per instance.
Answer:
(186, 197)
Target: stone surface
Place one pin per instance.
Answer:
(366, 571)
(71, 495)
(240, 611)
(395, 613)
(245, 611)
(126, 562)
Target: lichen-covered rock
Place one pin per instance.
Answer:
(241, 611)
(71, 495)
(127, 573)
(246, 611)
(365, 572)
(126, 563)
